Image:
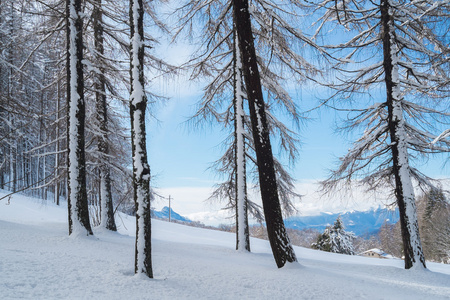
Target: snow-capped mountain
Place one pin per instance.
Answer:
(164, 214)
(359, 222)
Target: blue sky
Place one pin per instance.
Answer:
(180, 156)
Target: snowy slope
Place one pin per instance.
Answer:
(38, 260)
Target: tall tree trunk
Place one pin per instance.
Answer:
(242, 230)
(57, 133)
(40, 164)
(404, 190)
(77, 196)
(107, 210)
(141, 169)
(13, 145)
(2, 127)
(279, 241)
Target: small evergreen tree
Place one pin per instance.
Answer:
(335, 239)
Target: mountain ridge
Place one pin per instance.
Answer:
(359, 222)
(164, 214)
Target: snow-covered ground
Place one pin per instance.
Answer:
(38, 260)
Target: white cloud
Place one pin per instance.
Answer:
(186, 200)
(314, 202)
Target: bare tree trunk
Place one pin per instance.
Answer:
(107, 210)
(403, 185)
(3, 149)
(242, 230)
(13, 146)
(77, 201)
(141, 169)
(57, 133)
(281, 246)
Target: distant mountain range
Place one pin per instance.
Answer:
(359, 222)
(164, 214)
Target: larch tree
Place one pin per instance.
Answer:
(141, 169)
(279, 43)
(241, 195)
(395, 52)
(434, 216)
(106, 201)
(281, 246)
(390, 239)
(33, 100)
(218, 60)
(77, 203)
(108, 146)
(32, 55)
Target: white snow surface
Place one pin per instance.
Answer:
(38, 260)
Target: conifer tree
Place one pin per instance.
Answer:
(107, 210)
(406, 77)
(241, 196)
(335, 239)
(434, 216)
(276, 39)
(77, 196)
(141, 169)
(281, 247)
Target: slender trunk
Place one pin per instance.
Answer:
(12, 159)
(2, 161)
(13, 144)
(107, 210)
(404, 190)
(242, 230)
(141, 169)
(279, 241)
(57, 133)
(77, 201)
(40, 159)
(3, 158)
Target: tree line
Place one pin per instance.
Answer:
(70, 69)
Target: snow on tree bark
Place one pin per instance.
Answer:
(403, 185)
(141, 169)
(77, 196)
(242, 229)
(281, 247)
(107, 210)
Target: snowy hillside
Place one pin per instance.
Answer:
(38, 260)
